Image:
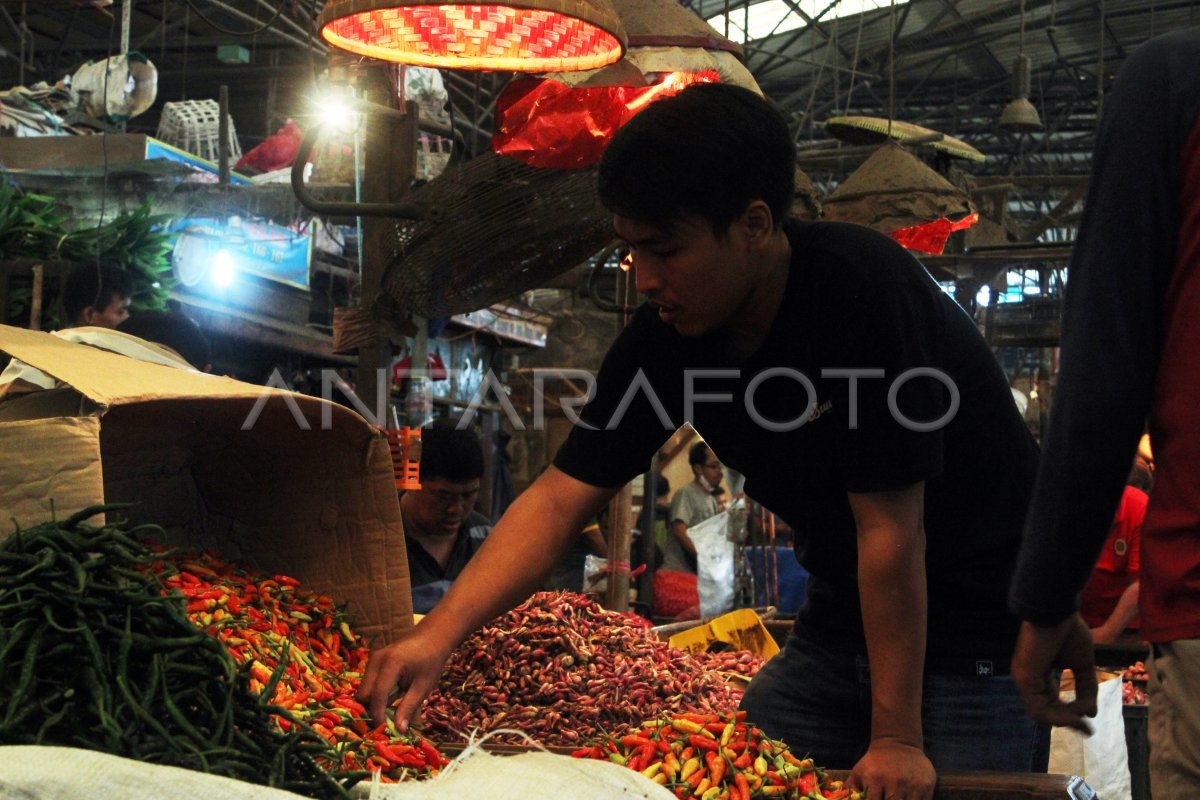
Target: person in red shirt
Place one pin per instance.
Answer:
(1109, 603)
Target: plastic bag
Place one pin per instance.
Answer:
(714, 564)
(1102, 759)
(536, 775)
(595, 575)
(34, 772)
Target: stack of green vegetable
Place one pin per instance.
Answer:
(32, 226)
(93, 654)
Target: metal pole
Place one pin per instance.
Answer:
(223, 135)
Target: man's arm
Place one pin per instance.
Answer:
(679, 531)
(1124, 611)
(593, 539)
(515, 559)
(891, 587)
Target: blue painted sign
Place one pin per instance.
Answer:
(212, 251)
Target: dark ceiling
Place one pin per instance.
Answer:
(952, 63)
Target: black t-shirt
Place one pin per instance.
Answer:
(855, 300)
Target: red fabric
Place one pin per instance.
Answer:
(545, 123)
(1119, 560)
(1170, 595)
(275, 152)
(674, 593)
(435, 368)
(931, 237)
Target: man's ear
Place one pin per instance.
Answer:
(758, 222)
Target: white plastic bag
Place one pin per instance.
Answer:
(714, 564)
(1101, 759)
(595, 574)
(34, 772)
(536, 775)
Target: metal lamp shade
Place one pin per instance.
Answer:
(894, 189)
(520, 36)
(1020, 115)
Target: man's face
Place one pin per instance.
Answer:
(440, 506)
(110, 316)
(710, 470)
(698, 282)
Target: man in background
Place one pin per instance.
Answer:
(691, 505)
(97, 295)
(175, 330)
(442, 530)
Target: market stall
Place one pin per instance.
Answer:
(199, 567)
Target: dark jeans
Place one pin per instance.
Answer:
(819, 703)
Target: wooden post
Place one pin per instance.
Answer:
(390, 157)
(649, 525)
(617, 596)
(35, 303)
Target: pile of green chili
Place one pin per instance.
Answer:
(93, 654)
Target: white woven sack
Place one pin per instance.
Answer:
(536, 775)
(714, 564)
(31, 772)
(1102, 759)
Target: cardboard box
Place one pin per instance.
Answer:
(304, 487)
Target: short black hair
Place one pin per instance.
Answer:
(698, 454)
(174, 330)
(94, 285)
(449, 453)
(710, 150)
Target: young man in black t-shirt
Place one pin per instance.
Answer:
(863, 407)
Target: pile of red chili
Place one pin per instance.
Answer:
(563, 670)
(717, 757)
(278, 628)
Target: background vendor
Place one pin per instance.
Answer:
(442, 530)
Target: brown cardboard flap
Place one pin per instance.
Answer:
(292, 483)
(109, 378)
(31, 493)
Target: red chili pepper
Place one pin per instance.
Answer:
(431, 753)
(741, 785)
(633, 740)
(700, 743)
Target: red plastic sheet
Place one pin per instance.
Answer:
(545, 123)
(930, 237)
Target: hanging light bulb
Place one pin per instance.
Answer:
(1019, 115)
(518, 36)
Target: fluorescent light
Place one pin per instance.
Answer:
(222, 269)
(776, 16)
(983, 296)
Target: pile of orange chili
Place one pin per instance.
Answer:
(278, 628)
(711, 757)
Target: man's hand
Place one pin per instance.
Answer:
(411, 664)
(1040, 650)
(893, 770)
